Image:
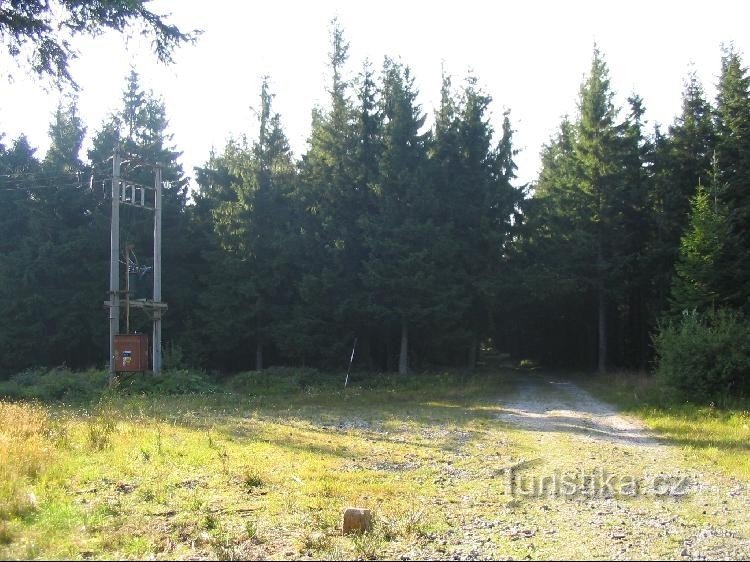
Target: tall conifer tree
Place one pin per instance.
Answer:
(733, 154)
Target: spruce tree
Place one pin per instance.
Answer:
(400, 272)
(733, 154)
(482, 202)
(22, 319)
(255, 226)
(631, 246)
(578, 224)
(681, 161)
(223, 300)
(598, 168)
(75, 210)
(331, 192)
(66, 138)
(696, 281)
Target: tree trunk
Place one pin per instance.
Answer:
(472, 363)
(258, 342)
(365, 353)
(403, 361)
(388, 351)
(602, 300)
(259, 356)
(602, 354)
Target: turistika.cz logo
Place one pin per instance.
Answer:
(595, 483)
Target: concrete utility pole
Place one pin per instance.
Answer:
(114, 264)
(126, 193)
(156, 339)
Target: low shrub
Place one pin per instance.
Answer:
(62, 384)
(166, 383)
(59, 383)
(705, 358)
(413, 382)
(276, 380)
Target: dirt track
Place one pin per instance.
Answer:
(701, 513)
(542, 404)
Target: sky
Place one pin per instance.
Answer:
(530, 56)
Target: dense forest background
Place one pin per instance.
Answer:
(418, 241)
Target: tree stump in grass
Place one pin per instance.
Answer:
(356, 520)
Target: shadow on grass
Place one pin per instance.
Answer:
(427, 411)
(698, 427)
(440, 417)
(421, 415)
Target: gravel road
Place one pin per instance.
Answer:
(678, 509)
(543, 404)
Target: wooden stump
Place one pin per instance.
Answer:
(356, 520)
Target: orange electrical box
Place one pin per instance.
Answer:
(131, 353)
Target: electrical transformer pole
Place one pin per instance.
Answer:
(125, 192)
(114, 264)
(156, 339)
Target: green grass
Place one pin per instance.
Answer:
(718, 437)
(262, 465)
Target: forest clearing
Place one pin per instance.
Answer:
(263, 467)
(283, 302)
